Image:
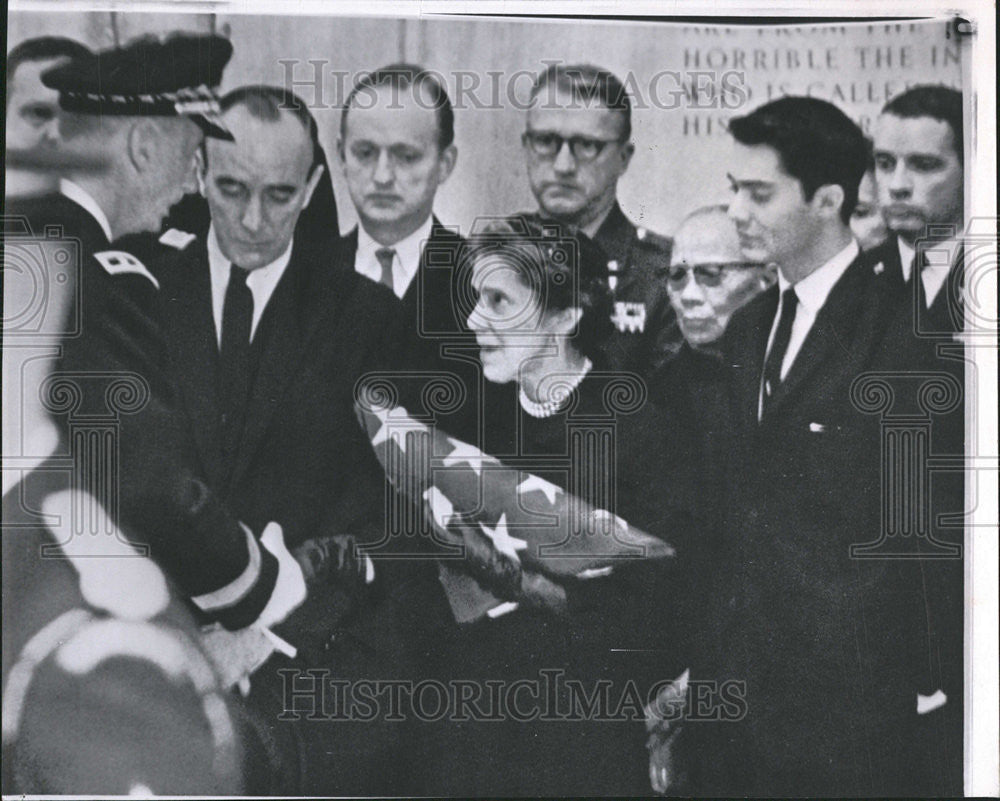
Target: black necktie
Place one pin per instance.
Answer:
(385, 258)
(235, 372)
(779, 347)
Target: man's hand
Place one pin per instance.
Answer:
(332, 559)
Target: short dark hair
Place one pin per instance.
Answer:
(563, 268)
(869, 155)
(43, 48)
(818, 144)
(938, 102)
(586, 82)
(267, 103)
(404, 76)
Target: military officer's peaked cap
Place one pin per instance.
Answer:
(148, 77)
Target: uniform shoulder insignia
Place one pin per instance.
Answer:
(176, 238)
(117, 262)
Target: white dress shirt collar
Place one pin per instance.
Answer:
(811, 293)
(262, 282)
(405, 263)
(906, 256)
(82, 197)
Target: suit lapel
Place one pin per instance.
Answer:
(294, 314)
(946, 312)
(429, 297)
(831, 331)
(749, 340)
(195, 350)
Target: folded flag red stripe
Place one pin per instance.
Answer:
(527, 518)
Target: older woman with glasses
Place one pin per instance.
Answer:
(541, 313)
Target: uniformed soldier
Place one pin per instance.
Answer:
(577, 145)
(144, 109)
(106, 688)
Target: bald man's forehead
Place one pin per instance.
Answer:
(707, 239)
(284, 139)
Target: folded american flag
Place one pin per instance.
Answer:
(472, 498)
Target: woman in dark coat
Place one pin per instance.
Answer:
(587, 662)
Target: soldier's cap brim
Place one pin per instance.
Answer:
(212, 126)
(148, 77)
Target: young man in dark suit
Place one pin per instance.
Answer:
(919, 172)
(826, 649)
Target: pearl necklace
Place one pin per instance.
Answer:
(548, 408)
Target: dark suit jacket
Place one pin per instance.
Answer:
(945, 314)
(436, 345)
(303, 459)
(830, 649)
(302, 446)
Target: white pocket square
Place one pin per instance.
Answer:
(928, 703)
(817, 428)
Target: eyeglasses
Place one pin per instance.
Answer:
(547, 145)
(708, 274)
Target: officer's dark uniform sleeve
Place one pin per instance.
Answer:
(117, 367)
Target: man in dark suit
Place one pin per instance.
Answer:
(919, 168)
(577, 145)
(919, 165)
(709, 279)
(826, 649)
(267, 335)
(397, 148)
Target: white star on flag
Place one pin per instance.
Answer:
(502, 541)
(541, 485)
(469, 454)
(441, 508)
